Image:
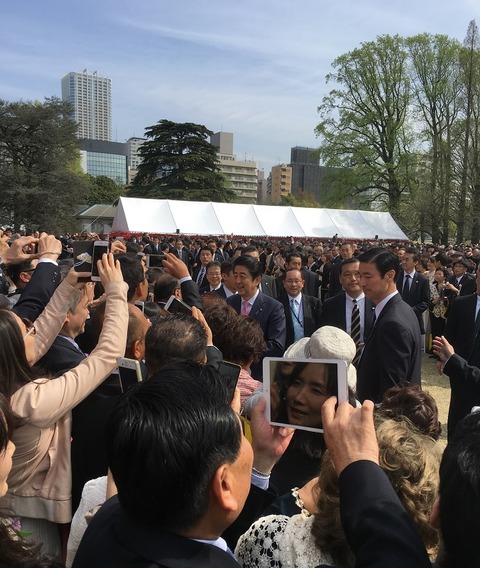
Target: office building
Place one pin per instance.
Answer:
(91, 98)
(242, 174)
(101, 158)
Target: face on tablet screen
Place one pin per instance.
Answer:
(299, 389)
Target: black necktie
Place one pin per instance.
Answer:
(406, 287)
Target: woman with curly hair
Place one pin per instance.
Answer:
(410, 460)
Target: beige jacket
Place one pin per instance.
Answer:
(40, 480)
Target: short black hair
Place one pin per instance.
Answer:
(165, 286)
(251, 264)
(348, 261)
(166, 437)
(383, 259)
(227, 266)
(213, 263)
(414, 252)
(132, 271)
(176, 337)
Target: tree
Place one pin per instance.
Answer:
(436, 88)
(103, 190)
(363, 121)
(40, 178)
(178, 162)
(469, 61)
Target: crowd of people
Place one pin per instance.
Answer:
(183, 468)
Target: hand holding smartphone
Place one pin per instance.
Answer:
(295, 390)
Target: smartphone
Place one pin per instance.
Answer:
(129, 373)
(82, 255)
(140, 305)
(295, 390)
(99, 248)
(229, 373)
(176, 306)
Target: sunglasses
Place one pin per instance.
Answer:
(30, 327)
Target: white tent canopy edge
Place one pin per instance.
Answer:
(165, 216)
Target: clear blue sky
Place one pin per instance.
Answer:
(254, 68)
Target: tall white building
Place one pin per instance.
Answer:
(91, 98)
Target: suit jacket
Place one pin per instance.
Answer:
(184, 255)
(460, 332)
(61, 357)
(220, 291)
(465, 389)
(334, 280)
(37, 293)
(271, 316)
(392, 351)
(113, 539)
(269, 287)
(333, 313)
(418, 295)
(312, 311)
(204, 281)
(468, 284)
(376, 525)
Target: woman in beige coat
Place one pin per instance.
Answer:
(40, 480)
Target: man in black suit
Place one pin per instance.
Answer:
(462, 331)
(214, 277)
(302, 312)
(182, 253)
(205, 256)
(393, 348)
(338, 310)
(267, 283)
(413, 287)
(251, 302)
(462, 282)
(335, 287)
(64, 353)
(172, 515)
(298, 261)
(153, 250)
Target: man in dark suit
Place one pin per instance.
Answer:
(251, 302)
(267, 283)
(462, 282)
(339, 310)
(214, 277)
(413, 287)
(153, 250)
(182, 253)
(346, 251)
(462, 331)
(302, 312)
(393, 348)
(64, 353)
(171, 516)
(298, 261)
(205, 256)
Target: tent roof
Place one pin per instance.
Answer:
(160, 216)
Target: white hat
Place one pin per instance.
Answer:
(327, 342)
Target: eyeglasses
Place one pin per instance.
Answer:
(30, 327)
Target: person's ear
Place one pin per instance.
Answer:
(435, 514)
(222, 485)
(136, 351)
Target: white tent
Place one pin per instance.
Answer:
(206, 218)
